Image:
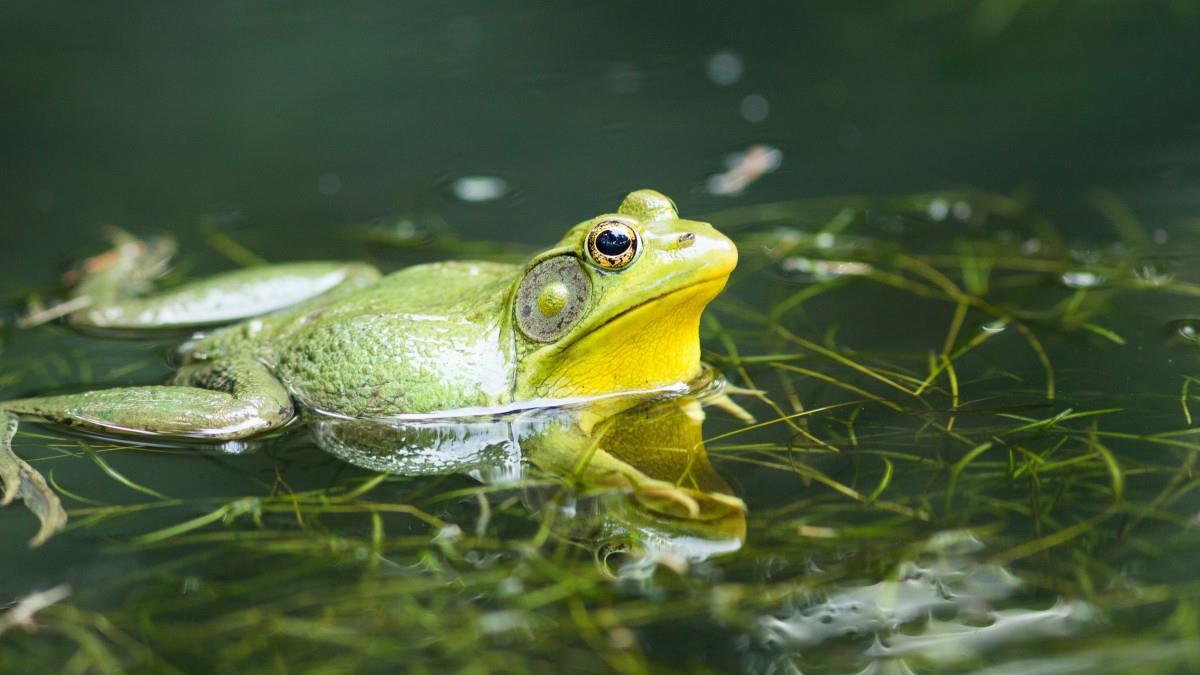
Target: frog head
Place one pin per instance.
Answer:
(615, 305)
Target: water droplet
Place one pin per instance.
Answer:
(961, 210)
(1082, 279)
(755, 108)
(329, 184)
(1188, 329)
(1031, 246)
(724, 68)
(1160, 236)
(479, 188)
(938, 209)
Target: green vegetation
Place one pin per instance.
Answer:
(945, 385)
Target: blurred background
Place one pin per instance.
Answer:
(294, 119)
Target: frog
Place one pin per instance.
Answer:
(613, 307)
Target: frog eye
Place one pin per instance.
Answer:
(552, 298)
(612, 244)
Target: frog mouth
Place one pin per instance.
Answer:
(718, 281)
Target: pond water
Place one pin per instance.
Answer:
(966, 322)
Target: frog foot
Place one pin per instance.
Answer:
(127, 269)
(145, 259)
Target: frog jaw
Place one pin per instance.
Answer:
(649, 346)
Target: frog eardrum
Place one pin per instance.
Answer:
(612, 245)
(552, 298)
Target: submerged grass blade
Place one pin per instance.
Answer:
(957, 469)
(116, 475)
(1110, 462)
(839, 383)
(849, 363)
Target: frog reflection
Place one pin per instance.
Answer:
(665, 495)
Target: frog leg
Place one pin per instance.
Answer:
(111, 288)
(218, 400)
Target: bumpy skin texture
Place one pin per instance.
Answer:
(426, 338)
(432, 337)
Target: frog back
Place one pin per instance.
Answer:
(430, 337)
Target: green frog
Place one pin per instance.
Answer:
(613, 307)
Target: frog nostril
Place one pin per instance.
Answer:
(686, 239)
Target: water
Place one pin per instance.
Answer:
(968, 280)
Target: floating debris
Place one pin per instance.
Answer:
(1082, 279)
(479, 188)
(823, 270)
(39, 314)
(744, 168)
(1155, 272)
(21, 614)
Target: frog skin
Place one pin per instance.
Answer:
(614, 306)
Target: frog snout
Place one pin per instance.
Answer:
(712, 249)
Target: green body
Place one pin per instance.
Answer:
(430, 337)
(613, 307)
(341, 339)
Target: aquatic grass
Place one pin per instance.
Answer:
(973, 413)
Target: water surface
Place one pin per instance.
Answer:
(965, 320)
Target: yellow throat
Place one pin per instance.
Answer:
(652, 345)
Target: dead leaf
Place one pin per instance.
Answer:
(23, 482)
(21, 614)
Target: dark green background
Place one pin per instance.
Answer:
(223, 116)
(152, 115)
